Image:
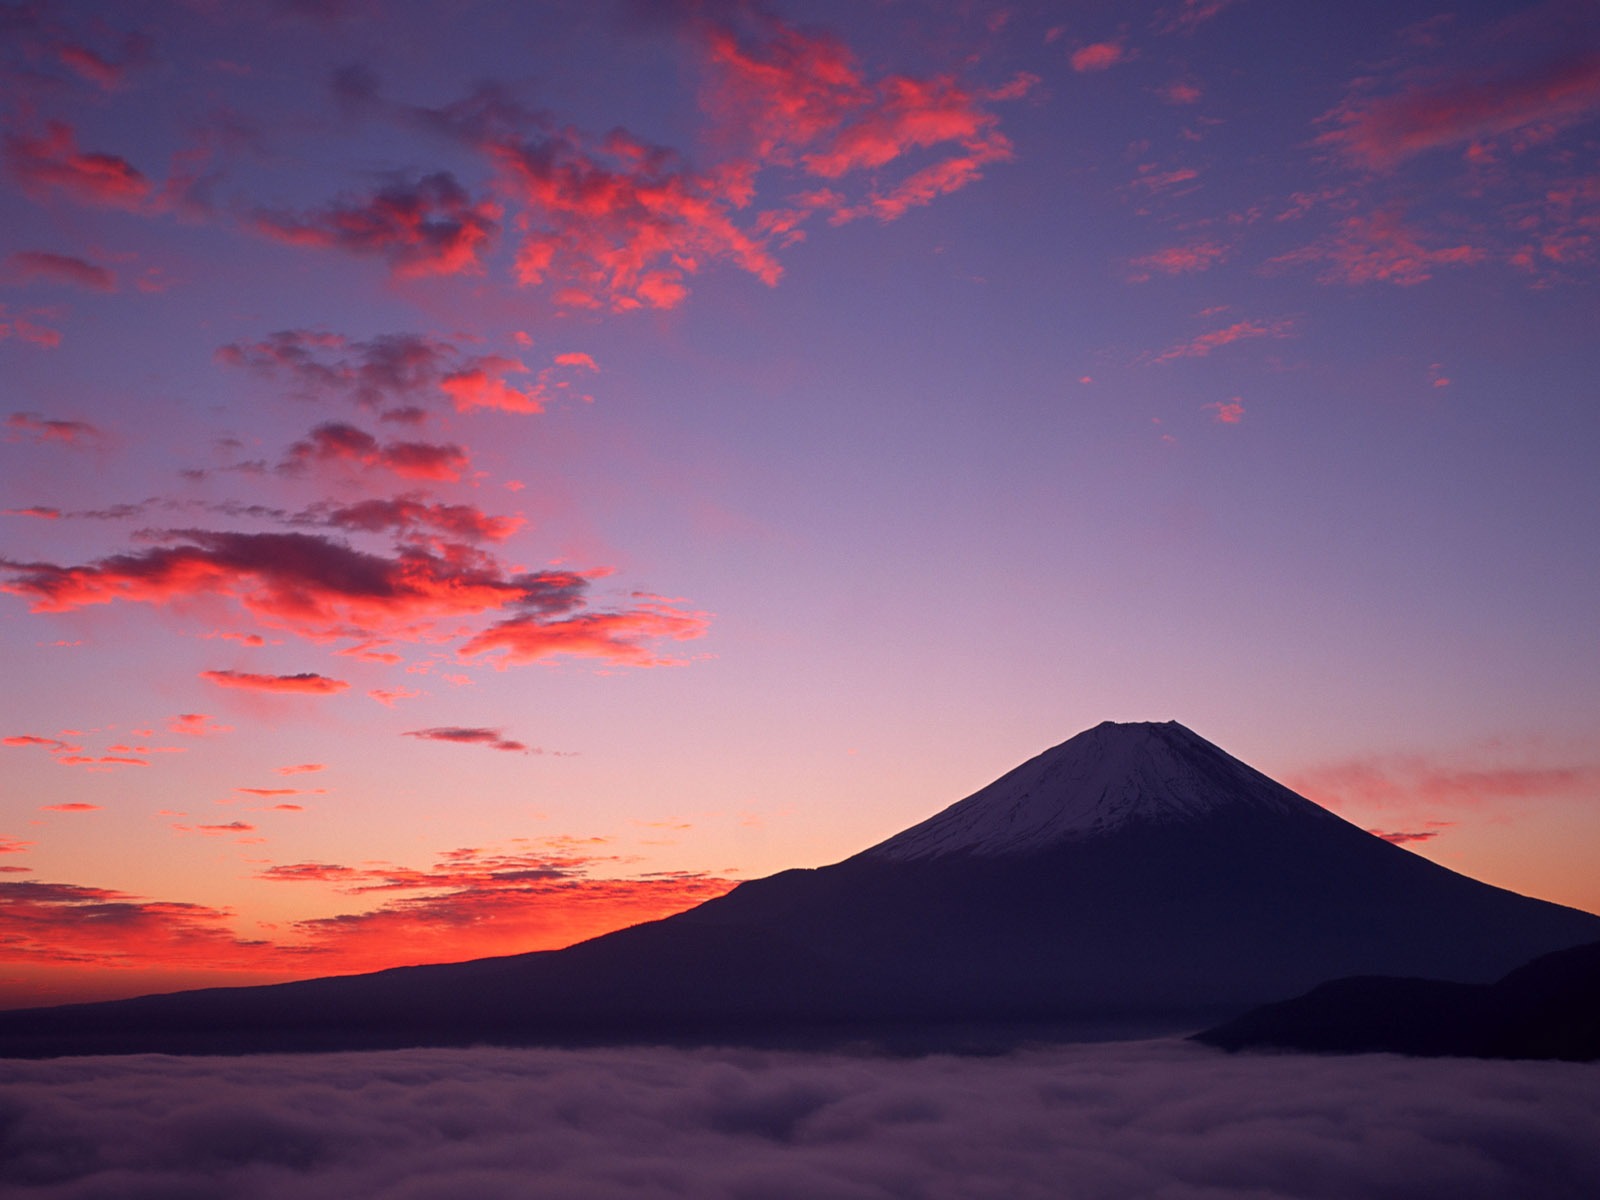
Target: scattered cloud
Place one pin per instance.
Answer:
(427, 226)
(338, 442)
(494, 739)
(324, 590)
(305, 682)
(1206, 343)
(36, 428)
(51, 162)
(302, 769)
(1226, 412)
(1380, 247)
(1382, 132)
(70, 807)
(1190, 15)
(1098, 56)
(28, 266)
(388, 696)
(1420, 785)
(196, 725)
(1177, 260)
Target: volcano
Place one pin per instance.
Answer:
(1135, 878)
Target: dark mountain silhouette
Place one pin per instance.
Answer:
(1134, 878)
(1549, 1008)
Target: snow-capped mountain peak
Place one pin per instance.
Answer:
(1104, 779)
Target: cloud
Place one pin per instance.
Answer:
(1156, 1118)
(54, 745)
(53, 162)
(388, 696)
(1422, 835)
(71, 807)
(618, 637)
(1419, 785)
(30, 265)
(394, 368)
(480, 386)
(492, 738)
(1178, 260)
(1206, 343)
(1382, 133)
(1229, 412)
(1098, 56)
(324, 590)
(410, 516)
(302, 769)
(335, 441)
(196, 725)
(306, 681)
(36, 510)
(77, 434)
(1191, 14)
(1380, 247)
(429, 226)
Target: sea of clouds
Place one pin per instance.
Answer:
(1148, 1119)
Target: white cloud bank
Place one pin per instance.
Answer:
(1150, 1119)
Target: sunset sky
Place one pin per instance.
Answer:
(479, 475)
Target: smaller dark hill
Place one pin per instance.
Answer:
(1549, 1008)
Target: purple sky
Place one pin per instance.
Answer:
(478, 475)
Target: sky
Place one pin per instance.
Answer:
(477, 476)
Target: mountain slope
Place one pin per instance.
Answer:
(1549, 1008)
(1135, 873)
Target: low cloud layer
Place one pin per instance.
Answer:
(1131, 1119)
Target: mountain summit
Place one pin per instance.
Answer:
(1135, 877)
(1107, 778)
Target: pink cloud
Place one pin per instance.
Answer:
(492, 738)
(618, 637)
(1191, 14)
(410, 516)
(76, 806)
(336, 441)
(481, 386)
(29, 265)
(1421, 784)
(54, 162)
(1380, 247)
(1206, 343)
(388, 696)
(306, 682)
(1098, 56)
(429, 227)
(36, 510)
(196, 725)
(1229, 412)
(1382, 133)
(77, 434)
(1178, 260)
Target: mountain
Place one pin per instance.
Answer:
(1549, 1008)
(1134, 878)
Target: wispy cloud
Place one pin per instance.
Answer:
(306, 682)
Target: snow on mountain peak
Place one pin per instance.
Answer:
(1105, 778)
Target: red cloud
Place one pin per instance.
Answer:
(1380, 247)
(217, 830)
(41, 429)
(1401, 838)
(1229, 412)
(408, 516)
(576, 360)
(1098, 56)
(1387, 131)
(54, 745)
(387, 696)
(72, 807)
(1203, 345)
(266, 793)
(1178, 260)
(618, 637)
(53, 161)
(480, 387)
(392, 368)
(306, 681)
(196, 725)
(37, 510)
(430, 227)
(302, 769)
(1416, 783)
(322, 590)
(13, 846)
(334, 441)
(27, 265)
(492, 738)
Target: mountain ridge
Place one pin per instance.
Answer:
(1184, 906)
